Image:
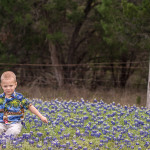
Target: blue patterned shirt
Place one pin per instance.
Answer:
(12, 109)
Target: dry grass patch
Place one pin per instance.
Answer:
(124, 97)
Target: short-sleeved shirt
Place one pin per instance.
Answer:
(12, 109)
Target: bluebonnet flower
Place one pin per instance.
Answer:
(61, 137)
(39, 134)
(31, 141)
(45, 142)
(3, 146)
(101, 144)
(67, 143)
(146, 144)
(36, 139)
(79, 147)
(39, 146)
(63, 145)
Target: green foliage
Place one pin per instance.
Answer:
(121, 24)
(138, 100)
(14, 10)
(28, 18)
(124, 32)
(18, 20)
(129, 9)
(75, 16)
(57, 37)
(96, 31)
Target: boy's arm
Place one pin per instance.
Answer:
(37, 113)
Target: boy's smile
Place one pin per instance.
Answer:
(8, 87)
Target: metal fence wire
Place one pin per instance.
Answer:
(87, 75)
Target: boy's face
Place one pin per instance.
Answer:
(8, 86)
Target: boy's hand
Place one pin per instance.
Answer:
(37, 113)
(44, 119)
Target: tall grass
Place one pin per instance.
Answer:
(126, 96)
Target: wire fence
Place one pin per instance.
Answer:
(88, 74)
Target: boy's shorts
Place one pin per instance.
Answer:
(10, 129)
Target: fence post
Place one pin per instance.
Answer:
(148, 88)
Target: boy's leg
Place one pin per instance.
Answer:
(13, 129)
(2, 128)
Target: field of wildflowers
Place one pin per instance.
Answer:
(76, 125)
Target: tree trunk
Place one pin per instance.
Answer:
(148, 89)
(75, 39)
(114, 78)
(123, 75)
(57, 67)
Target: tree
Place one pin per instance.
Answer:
(62, 25)
(74, 32)
(54, 32)
(123, 36)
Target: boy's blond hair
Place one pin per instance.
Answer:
(7, 75)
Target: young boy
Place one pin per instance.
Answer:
(12, 105)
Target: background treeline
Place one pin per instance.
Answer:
(76, 42)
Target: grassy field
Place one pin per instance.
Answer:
(85, 119)
(82, 124)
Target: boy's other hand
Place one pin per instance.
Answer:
(44, 119)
